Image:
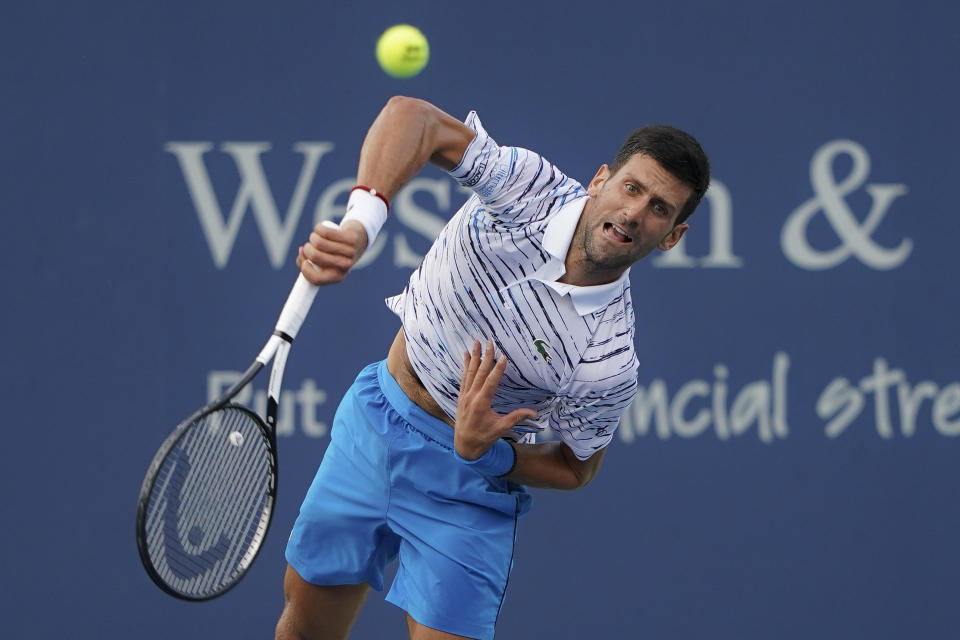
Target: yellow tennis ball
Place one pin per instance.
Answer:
(403, 51)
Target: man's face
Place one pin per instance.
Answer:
(629, 214)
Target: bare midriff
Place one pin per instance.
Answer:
(398, 364)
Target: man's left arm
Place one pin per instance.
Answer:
(552, 465)
(547, 465)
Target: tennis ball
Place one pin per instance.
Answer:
(402, 51)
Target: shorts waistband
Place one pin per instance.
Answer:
(411, 412)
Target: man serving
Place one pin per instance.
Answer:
(519, 319)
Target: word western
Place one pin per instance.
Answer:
(201, 169)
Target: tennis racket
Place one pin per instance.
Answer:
(207, 500)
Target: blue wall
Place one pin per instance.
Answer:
(789, 469)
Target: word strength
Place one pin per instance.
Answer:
(843, 402)
(882, 402)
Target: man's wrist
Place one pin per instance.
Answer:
(369, 208)
(499, 460)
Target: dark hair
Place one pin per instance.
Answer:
(677, 151)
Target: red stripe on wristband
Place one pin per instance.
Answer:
(373, 192)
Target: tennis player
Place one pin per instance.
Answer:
(519, 319)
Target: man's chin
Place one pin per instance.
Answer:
(607, 264)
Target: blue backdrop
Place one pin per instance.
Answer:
(789, 468)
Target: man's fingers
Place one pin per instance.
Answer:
(515, 417)
(328, 255)
(485, 363)
(333, 241)
(487, 357)
(481, 373)
(326, 260)
(519, 415)
(492, 379)
(467, 378)
(471, 364)
(318, 270)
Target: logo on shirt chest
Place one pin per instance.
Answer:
(543, 348)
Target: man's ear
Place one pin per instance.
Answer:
(672, 238)
(594, 187)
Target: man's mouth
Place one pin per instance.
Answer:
(616, 233)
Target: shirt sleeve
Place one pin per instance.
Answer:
(512, 183)
(586, 419)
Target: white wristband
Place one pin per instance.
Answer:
(367, 208)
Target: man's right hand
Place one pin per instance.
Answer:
(331, 252)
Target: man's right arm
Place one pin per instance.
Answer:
(406, 135)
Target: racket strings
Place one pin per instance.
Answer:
(210, 503)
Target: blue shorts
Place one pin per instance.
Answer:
(388, 486)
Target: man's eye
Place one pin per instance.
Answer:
(632, 188)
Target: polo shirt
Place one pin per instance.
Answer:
(493, 272)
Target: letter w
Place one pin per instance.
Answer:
(254, 192)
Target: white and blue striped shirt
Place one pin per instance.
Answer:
(492, 273)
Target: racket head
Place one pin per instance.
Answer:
(207, 501)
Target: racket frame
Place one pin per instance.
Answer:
(277, 348)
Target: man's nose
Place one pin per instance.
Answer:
(634, 211)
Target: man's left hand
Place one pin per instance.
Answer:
(478, 426)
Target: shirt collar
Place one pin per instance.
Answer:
(559, 231)
(556, 241)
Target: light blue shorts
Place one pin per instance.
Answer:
(389, 486)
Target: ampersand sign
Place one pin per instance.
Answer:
(855, 237)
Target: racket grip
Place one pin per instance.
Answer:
(299, 301)
(297, 306)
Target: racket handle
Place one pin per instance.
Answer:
(299, 301)
(297, 306)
